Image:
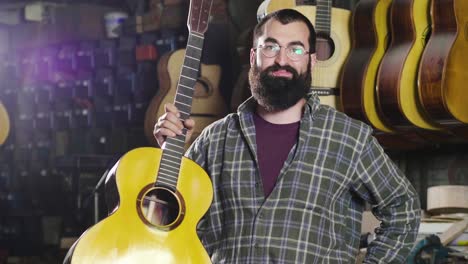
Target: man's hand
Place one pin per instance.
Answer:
(170, 125)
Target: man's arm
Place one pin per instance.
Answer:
(394, 202)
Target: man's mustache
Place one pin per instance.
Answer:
(277, 67)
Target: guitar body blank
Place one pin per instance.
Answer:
(123, 237)
(358, 82)
(208, 104)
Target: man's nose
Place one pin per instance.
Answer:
(282, 57)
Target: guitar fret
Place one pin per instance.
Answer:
(186, 96)
(173, 170)
(200, 36)
(193, 58)
(175, 145)
(184, 113)
(168, 167)
(175, 151)
(171, 156)
(184, 100)
(173, 162)
(170, 173)
(168, 181)
(187, 67)
(188, 77)
(178, 140)
(197, 48)
(185, 86)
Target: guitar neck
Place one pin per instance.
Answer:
(189, 74)
(323, 17)
(174, 146)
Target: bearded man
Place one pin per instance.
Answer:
(291, 176)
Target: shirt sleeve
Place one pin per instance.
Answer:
(208, 234)
(394, 202)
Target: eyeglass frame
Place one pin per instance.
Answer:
(288, 49)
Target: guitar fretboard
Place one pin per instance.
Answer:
(323, 17)
(174, 147)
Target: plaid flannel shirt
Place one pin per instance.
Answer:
(314, 212)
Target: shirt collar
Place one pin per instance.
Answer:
(311, 107)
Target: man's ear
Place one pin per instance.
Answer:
(253, 57)
(313, 60)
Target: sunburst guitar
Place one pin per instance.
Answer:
(332, 46)
(442, 74)
(208, 104)
(369, 42)
(4, 124)
(163, 195)
(397, 92)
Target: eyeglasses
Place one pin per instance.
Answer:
(294, 52)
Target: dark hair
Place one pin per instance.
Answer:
(286, 16)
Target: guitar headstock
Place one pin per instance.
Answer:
(199, 15)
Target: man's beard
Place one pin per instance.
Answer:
(278, 93)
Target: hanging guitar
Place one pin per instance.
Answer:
(333, 42)
(162, 194)
(442, 73)
(358, 80)
(4, 124)
(207, 102)
(397, 92)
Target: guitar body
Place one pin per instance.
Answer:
(397, 92)
(456, 75)
(4, 124)
(442, 77)
(326, 74)
(123, 237)
(208, 103)
(358, 82)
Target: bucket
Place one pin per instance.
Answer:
(113, 22)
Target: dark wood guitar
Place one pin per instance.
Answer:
(397, 96)
(333, 42)
(442, 73)
(163, 195)
(358, 81)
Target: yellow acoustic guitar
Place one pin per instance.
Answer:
(208, 105)
(4, 124)
(333, 42)
(162, 194)
(397, 92)
(369, 42)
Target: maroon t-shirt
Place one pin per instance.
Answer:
(274, 142)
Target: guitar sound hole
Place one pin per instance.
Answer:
(324, 47)
(161, 208)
